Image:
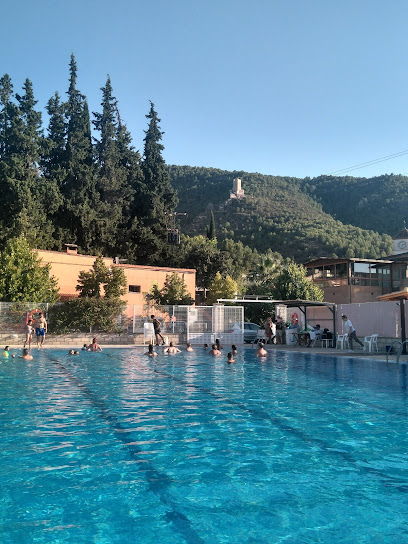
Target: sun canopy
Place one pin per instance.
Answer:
(400, 296)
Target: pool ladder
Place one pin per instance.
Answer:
(399, 352)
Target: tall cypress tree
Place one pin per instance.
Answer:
(129, 160)
(53, 164)
(114, 163)
(158, 197)
(23, 199)
(211, 233)
(81, 199)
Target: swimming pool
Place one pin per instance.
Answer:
(115, 447)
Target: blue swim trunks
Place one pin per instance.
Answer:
(40, 332)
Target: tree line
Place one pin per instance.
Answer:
(61, 184)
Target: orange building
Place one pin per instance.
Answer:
(67, 266)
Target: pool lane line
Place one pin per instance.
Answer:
(158, 482)
(385, 479)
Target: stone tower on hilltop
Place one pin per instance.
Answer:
(237, 192)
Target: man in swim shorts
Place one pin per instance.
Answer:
(157, 330)
(40, 329)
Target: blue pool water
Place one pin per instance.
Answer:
(116, 447)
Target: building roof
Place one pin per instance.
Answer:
(402, 235)
(399, 257)
(396, 295)
(122, 265)
(266, 300)
(321, 261)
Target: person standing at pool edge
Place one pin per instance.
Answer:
(157, 330)
(351, 332)
(29, 334)
(40, 329)
(280, 329)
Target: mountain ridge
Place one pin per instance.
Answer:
(300, 218)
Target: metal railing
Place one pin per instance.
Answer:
(396, 342)
(401, 349)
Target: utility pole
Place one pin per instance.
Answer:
(173, 231)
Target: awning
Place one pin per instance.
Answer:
(401, 297)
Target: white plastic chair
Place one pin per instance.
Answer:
(327, 342)
(371, 343)
(342, 341)
(316, 337)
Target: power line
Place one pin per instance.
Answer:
(369, 163)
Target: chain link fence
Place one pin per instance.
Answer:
(195, 324)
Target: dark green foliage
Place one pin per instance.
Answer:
(211, 234)
(115, 170)
(202, 254)
(82, 201)
(23, 192)
(86, 315)
(101, 280)
(292, 284)
(353, 200)
(22, 276)
(174, 291)
(157, 198)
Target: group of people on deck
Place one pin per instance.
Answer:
(274, 330)
(39, 326)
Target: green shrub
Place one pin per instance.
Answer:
(86, 315)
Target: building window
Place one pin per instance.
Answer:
(134, 288)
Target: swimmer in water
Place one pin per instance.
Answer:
(25, 355)
(230, 358)
(261, 351)
(151, 352)
(214, 350)
(171, 349)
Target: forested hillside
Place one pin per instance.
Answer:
(379, 203)
(278, 213)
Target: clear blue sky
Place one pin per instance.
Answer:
(283, 87)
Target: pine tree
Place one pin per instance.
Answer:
(53, 164)
(113, 151)
(22, 190)
(157, 197)
(81, 198)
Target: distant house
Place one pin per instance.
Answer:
(347, 281)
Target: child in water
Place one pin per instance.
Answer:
(151, 352)
(230, 358)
